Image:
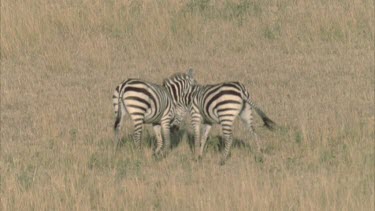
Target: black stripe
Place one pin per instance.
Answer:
(225, 115)
(225, 120)
(136, 81)
(138, 119)
(138, 113)
(212, 91)
(218, 86)
(124, 84)
(138, 107)
(226, 128)
(232, 84)
(220, 94)
(139, 100)
(144, 91)
(226, 102)
(189, 98)
(174, 91)
(179, 88)
(226, 109)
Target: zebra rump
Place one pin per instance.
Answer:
(215, 104)
(146, 103)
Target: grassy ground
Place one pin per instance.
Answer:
(308, 64)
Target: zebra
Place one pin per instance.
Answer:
(146, 103)
(180, 87)
(216, 104)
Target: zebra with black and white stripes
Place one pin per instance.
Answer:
(221, 104)
(146, 103)
(216, 104)
(180, 87)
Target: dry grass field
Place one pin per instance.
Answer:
(308, 64)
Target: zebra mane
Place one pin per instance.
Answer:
(174, 76)
(183, 76)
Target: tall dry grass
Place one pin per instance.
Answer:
(308, 64)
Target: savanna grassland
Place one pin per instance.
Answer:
(308, 64)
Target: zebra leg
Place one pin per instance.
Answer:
(228, 144)
(206, 131)
(165, 127)
(196, 121)
(137, 136)
(247, 117)
(159, 139)
(227, 126)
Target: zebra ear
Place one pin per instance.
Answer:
(190, 72)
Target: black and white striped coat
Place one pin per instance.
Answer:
(221, 104)
(218, 104)
(180, 87)
(146, 103)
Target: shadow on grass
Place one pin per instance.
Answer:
(149, 139)
(217, 143)
(177, 135)
(214, 143)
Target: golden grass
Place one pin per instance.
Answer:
(308, 64)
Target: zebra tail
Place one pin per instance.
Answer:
(266, 120)
(117, 106)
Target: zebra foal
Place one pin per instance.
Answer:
(215, 104)
(145, 103)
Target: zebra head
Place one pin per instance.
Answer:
(180, 87)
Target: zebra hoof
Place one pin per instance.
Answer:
(259, 158)
(197, 158)
(156, 156)
(222, 161)
(164, 153)
(137, 148)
